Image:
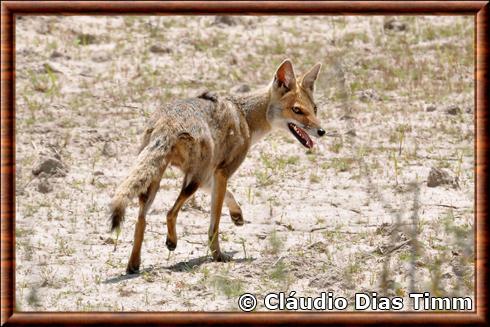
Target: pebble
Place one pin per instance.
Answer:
(453, 110)
(49, 166)
(44, 186)
(438, 177)
(394, 25)
(431, 108)
(159, 49)
(56, 54)
(225, 20)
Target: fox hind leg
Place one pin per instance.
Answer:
(231, 203)
(145, 201)
(235, 210)
(186, 192)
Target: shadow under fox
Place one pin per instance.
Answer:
(208, 137)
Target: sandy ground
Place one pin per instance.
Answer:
(355, 214)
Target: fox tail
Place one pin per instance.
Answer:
(150, 164)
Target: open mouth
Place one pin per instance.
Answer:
(301, 135)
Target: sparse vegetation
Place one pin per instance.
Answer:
(230, 287)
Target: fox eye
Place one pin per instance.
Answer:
(297, 110)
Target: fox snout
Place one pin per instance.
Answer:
(316, 131)
(312, 126)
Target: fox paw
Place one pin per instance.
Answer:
(221, 257)
(132, 269)
(237, 218)
(170, 245)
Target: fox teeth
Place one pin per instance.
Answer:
(300, 132)
(297, 130)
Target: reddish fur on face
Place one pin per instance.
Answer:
(300, 98)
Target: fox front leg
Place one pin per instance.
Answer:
(217, 198)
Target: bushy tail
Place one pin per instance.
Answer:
(150, 164)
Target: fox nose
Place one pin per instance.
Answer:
(321, 132)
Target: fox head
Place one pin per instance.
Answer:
(292, 107)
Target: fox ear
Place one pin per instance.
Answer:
(284, 79)
(310, 77)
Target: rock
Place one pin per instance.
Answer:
(56, 54)
(109, 149)
(368, 95)
(453, 110)
(394, 25)
(439, 177)
(44, 186)
(98, 173)
(159, 49)
(49, 166)
(43, 175)
(242, 88)
(430, 108)
(225, 20)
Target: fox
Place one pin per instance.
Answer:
(208, 137)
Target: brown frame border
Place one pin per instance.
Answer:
(480, 9)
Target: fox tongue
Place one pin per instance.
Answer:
(308, 141)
